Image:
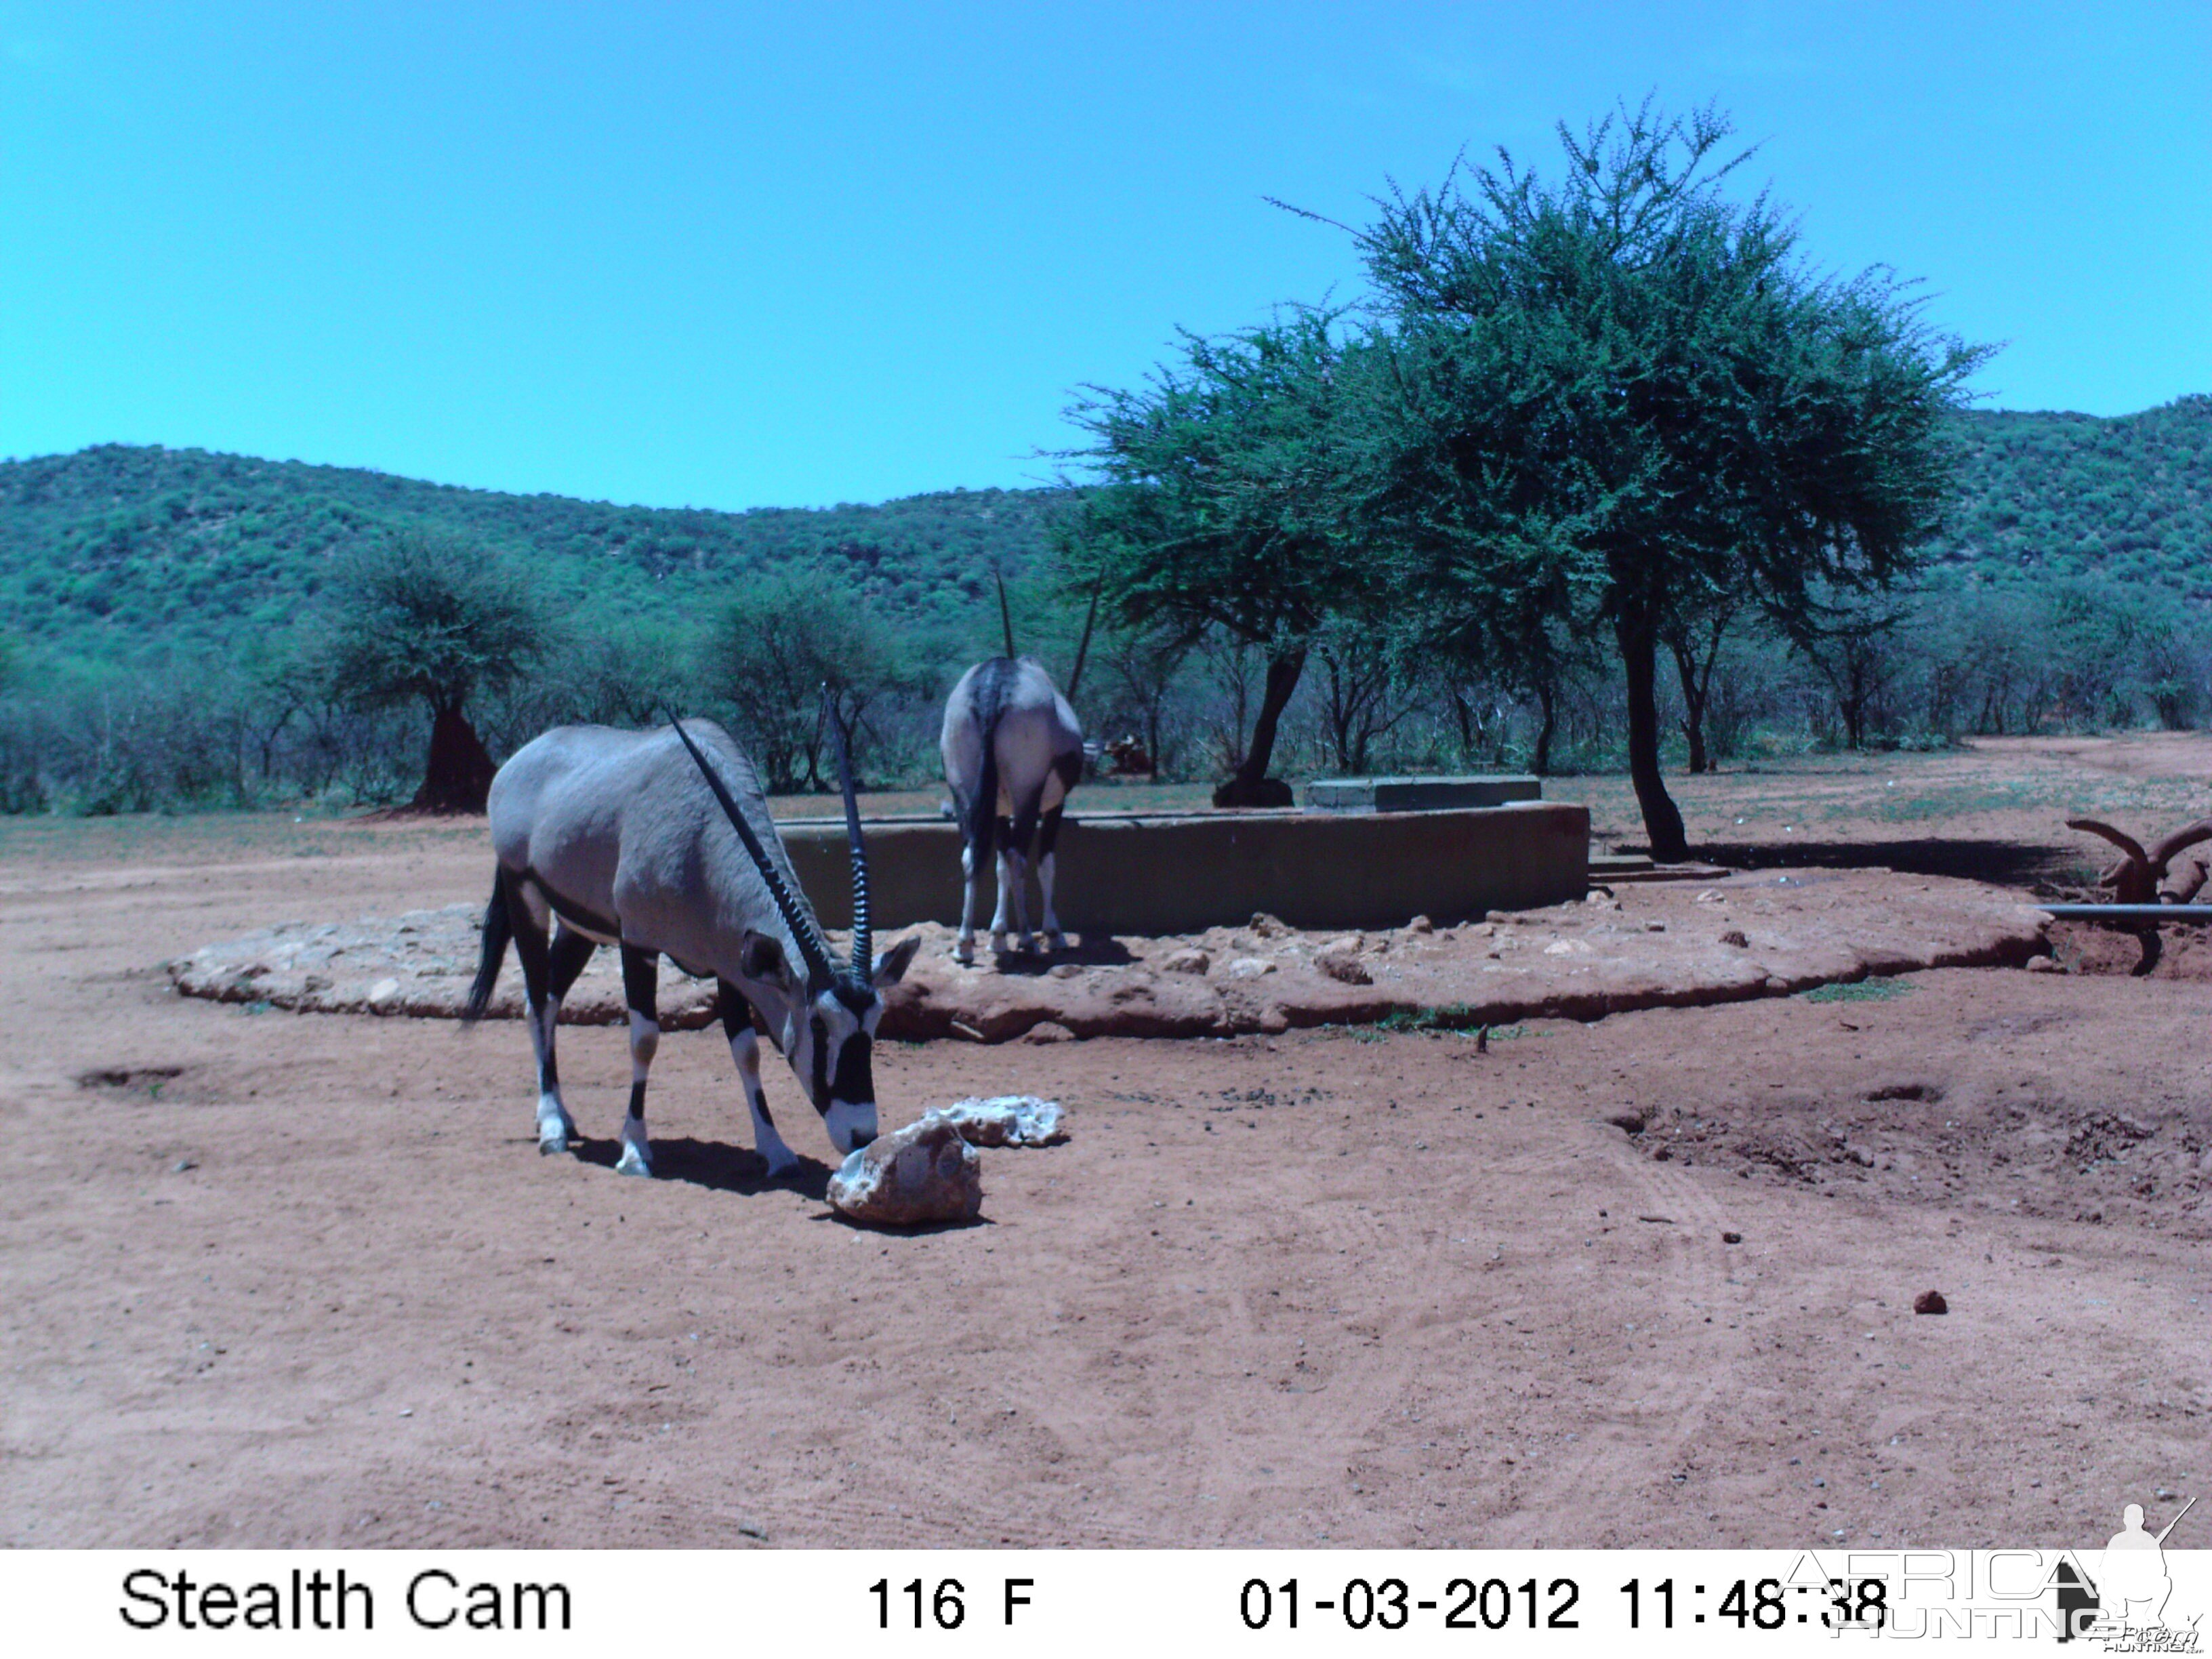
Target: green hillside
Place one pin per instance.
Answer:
(2057, 496)
(117, 553)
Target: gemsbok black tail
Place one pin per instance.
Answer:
(497, 932)
(990, 707)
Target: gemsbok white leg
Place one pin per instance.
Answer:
(1048, 834)
(1009, 896)
(639, 988)
(964, 947)
(744, 1049)
(549, 969)
(1020, 865)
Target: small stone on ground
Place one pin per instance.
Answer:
(922, 1173)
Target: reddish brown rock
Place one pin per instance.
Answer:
(924, 1172)
(1344, 965)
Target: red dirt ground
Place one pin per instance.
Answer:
(275, 1280)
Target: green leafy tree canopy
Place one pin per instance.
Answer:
(1222, 504)
(1628, 391)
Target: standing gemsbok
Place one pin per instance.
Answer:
(1012, 750)
(622, 838)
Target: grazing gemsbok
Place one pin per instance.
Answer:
(1012, 750)
(615, 838)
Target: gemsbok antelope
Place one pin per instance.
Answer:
(613, 838)
(1012, 750)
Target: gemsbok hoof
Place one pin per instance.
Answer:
(633, 1162)
(549, 1144)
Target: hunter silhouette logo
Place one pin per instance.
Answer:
(2122, 1607)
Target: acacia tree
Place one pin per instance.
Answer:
(429, 618)
(770, 652)
(1628, 389)
(1222, 506)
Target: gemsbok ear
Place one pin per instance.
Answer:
(761, 958)
(891, 966)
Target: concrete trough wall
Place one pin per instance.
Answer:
(1184, 874)
(1419, 794)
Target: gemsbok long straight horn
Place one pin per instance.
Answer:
(1083, 647)
(1005, 616)
(804, 932)
(859, 847)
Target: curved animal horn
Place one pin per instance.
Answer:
(2126, 843)
(2162, 854)
(863, 958)
(1005, 616)
(803, 934)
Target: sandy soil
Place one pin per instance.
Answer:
(276, 1279)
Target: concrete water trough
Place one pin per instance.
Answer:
(1182, 873)
(1419, 794)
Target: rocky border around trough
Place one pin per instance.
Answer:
(1768, 934)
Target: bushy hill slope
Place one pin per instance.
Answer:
(118, 554)
(2055, 494)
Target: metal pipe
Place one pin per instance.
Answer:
(2128, 912)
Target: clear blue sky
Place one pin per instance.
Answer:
(732, 256)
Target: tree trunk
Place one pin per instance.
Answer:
(1251, 785)
(1663, 823)
(1548, 702)
(1693, 705)
(1463, 714)
(459, 775)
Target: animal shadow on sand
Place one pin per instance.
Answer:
(912, 1229)
(1103, 951)
(723, 1168)
(714, 1164)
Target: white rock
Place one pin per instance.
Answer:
(1005, 1120)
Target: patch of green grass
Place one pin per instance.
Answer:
(1451, 1017)
(1865, 990)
